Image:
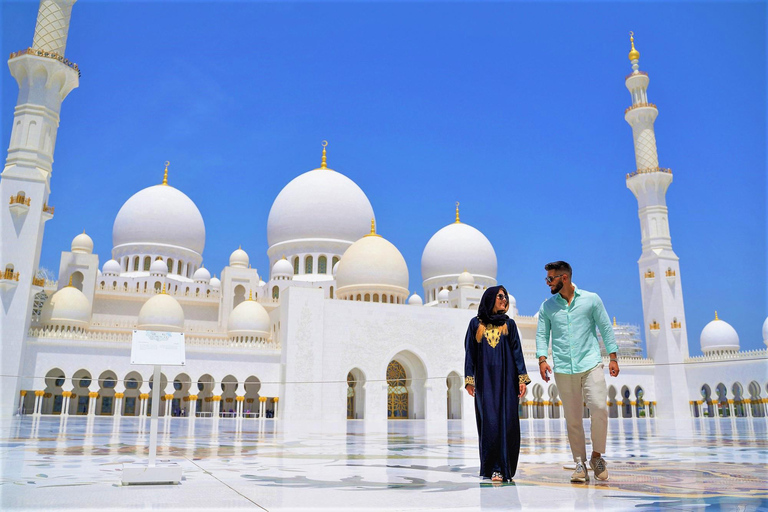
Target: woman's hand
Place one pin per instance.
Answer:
(523, 389)
(470, 389)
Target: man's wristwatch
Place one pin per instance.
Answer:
(543, 361)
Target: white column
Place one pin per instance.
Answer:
(92, 403)
(38, 403)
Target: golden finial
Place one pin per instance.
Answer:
(457, 213)
(283, 256)
(373, 228)
(633, 54)
(324, 165)
(614, 321)
(70, 284)
(165, 174)
(716, 316)
(163, 289)
(250, 294)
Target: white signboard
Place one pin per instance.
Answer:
(158, 348)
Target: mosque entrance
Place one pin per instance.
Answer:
(397, 393)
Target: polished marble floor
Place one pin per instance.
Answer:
(75, 463)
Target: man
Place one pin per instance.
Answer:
(571, 316)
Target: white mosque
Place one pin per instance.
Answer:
(328, 332)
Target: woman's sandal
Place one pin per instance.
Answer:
(496, 477)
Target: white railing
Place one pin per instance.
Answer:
(191, 340)
(729, 356)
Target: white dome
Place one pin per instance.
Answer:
(282, 268)
(248, 319)
(372, 263)
(765, 331)
(82, 243)
(319, 204)
(457, 247)
(466, 280)
(415, 300)
(443, 295)
(719, 336)
(158, 267)
(161, 313)
(215, 282)
(111, 267)
(335, 268)
(159, 215)
(202, 274)
(68, 307)
(239, 259)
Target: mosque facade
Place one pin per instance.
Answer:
(329, 332)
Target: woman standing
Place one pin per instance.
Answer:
(496, 376)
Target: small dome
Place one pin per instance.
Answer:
(68, 307)
(248, 319)
(111, 267)
(335, 268)
(158, 267)
(415, 300)
(719, 336)
(282, 268)
(202, 274)
(466, 280)
(161, 313)
(443, 295)
(239, 259)
(215, 283)
(765, 331)
(372, 264)
(82, 243)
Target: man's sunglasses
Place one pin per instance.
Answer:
(549, 279)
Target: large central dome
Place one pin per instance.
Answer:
(161, 216)
(319, 205)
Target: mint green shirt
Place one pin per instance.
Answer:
(575, 348)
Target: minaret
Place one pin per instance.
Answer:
(659, 267)
(45, 78)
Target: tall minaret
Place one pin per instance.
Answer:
(45, 78)
(659, 267)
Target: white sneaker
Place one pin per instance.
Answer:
(580, 474)
(599, 468)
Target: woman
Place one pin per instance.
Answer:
(496, 377)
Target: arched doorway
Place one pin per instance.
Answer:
(54, 380)
(106, 402)
(454, 384)
(613, 408)
(252, 387)
(355, 394)
(397, 391)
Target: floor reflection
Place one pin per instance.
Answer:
(719, 463)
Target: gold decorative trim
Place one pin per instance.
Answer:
(469, 381)
(524, 379)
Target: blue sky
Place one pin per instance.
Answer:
(513, 109)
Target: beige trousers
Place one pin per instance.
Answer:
(576, 390)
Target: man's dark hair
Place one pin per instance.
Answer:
(559, 266)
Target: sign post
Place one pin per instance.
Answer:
(155, 348)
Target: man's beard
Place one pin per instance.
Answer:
(557, 288)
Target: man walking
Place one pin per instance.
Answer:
(571, 316)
